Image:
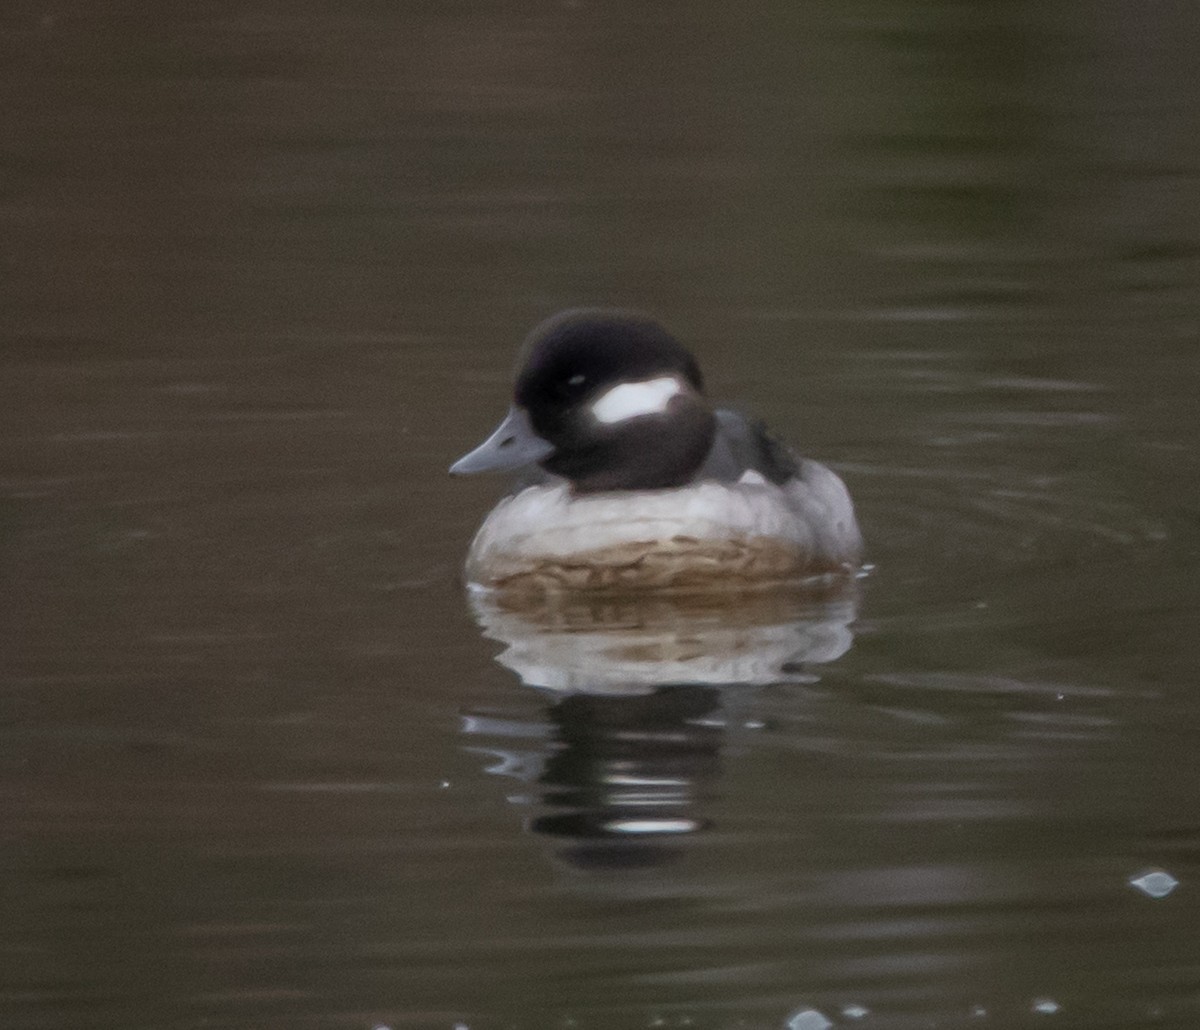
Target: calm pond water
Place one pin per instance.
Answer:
(265, 268)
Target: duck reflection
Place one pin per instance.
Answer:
(640, 699)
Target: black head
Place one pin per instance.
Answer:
(652, 434)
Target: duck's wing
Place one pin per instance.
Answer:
(742, 445)
(815, 495)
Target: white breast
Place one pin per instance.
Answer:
(812, 516)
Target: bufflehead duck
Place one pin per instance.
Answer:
(631, 480)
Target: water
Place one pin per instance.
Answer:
(265, 271)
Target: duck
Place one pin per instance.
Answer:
(628, 479)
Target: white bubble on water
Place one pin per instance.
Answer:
(808, 1019)
(1156, 884)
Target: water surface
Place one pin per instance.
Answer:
(265, 271)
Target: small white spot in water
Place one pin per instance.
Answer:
(576, 380)
(631, 400)
(978, 1012)
(808, 1019)
(1156, 884)
(444, 784)
(636, 826)
(754, 724)
(855, 1011)
(1046, 1006)
(622, 780)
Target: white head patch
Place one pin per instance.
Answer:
(629, 400)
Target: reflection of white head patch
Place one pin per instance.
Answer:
(629, 400)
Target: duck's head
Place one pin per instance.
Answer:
(608, 400)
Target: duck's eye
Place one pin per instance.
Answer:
(571, 387)
(568, 389)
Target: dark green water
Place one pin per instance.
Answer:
(263, 271)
